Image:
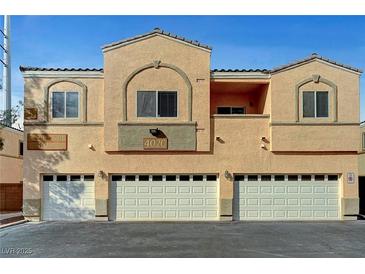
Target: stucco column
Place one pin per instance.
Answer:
(225, 194)
(101, 194)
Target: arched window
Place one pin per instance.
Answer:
(66, 100)
(316, 99)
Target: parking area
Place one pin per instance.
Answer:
(184, 239)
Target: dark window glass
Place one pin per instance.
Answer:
(211, 178)
(319, 177)
(170, 178)
(184, 177)
(75, 178)
(130, 178)
(61, 178)
(322, 103)
(72, 104)
(292, 177)
(306, 177)
(167, 104)
(21, 148)
(238, 110)
(239, 178)
(144, 177)
(252, 177)
(146, 104)
(48, 178)
(223, 110)
(265, 177)
(197, 177)
(157, 178)
(58, 104)
(88, 177)
(332, 177)
(363, 141)
(308, 104)
(279, 177)
(117, 178)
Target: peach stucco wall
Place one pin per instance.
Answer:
(11, 163)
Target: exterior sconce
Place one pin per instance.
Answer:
(219, 139)
(228, 175)
(91, 146)
(155, 131)
(102, 174)
(263, 146)
(263, 138)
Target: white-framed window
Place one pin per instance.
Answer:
(65, 104)
(231, 110)
(315, 104)
(156, 104)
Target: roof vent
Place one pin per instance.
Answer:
(157, 29)
(314, 54)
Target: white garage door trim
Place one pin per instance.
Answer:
(68, 197)
(163, 198)
(284, 198)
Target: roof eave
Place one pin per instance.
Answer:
(135, 39)
(319, 59)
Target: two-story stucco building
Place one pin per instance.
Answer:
(156, 134)
(11, 168)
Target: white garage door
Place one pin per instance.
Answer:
(164, 197)
(68, 197)
(286, 197)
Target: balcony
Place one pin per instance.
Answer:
(244, 98)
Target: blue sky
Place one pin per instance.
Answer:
(237, 41)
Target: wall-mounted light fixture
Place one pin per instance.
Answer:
(155, 131)
(226, 174)
(101, 174)
(219, 139)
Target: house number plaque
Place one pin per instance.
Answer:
(154, 143)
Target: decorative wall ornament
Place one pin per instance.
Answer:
(316, 78)
(156, 64)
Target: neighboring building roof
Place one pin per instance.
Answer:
(23, 69)
(158, 31)
(241, 70)
(6, 126)
(362, 124)
(314, 56)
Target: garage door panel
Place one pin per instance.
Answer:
(286, 200)
(68, 200)
(165, 200)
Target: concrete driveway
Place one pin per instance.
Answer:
(236, 239)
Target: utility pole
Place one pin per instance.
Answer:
(6, 62)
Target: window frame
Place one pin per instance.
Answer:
(65, 105)
(363, 141)
(156, 92)
(315, 104)
(243, 107)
